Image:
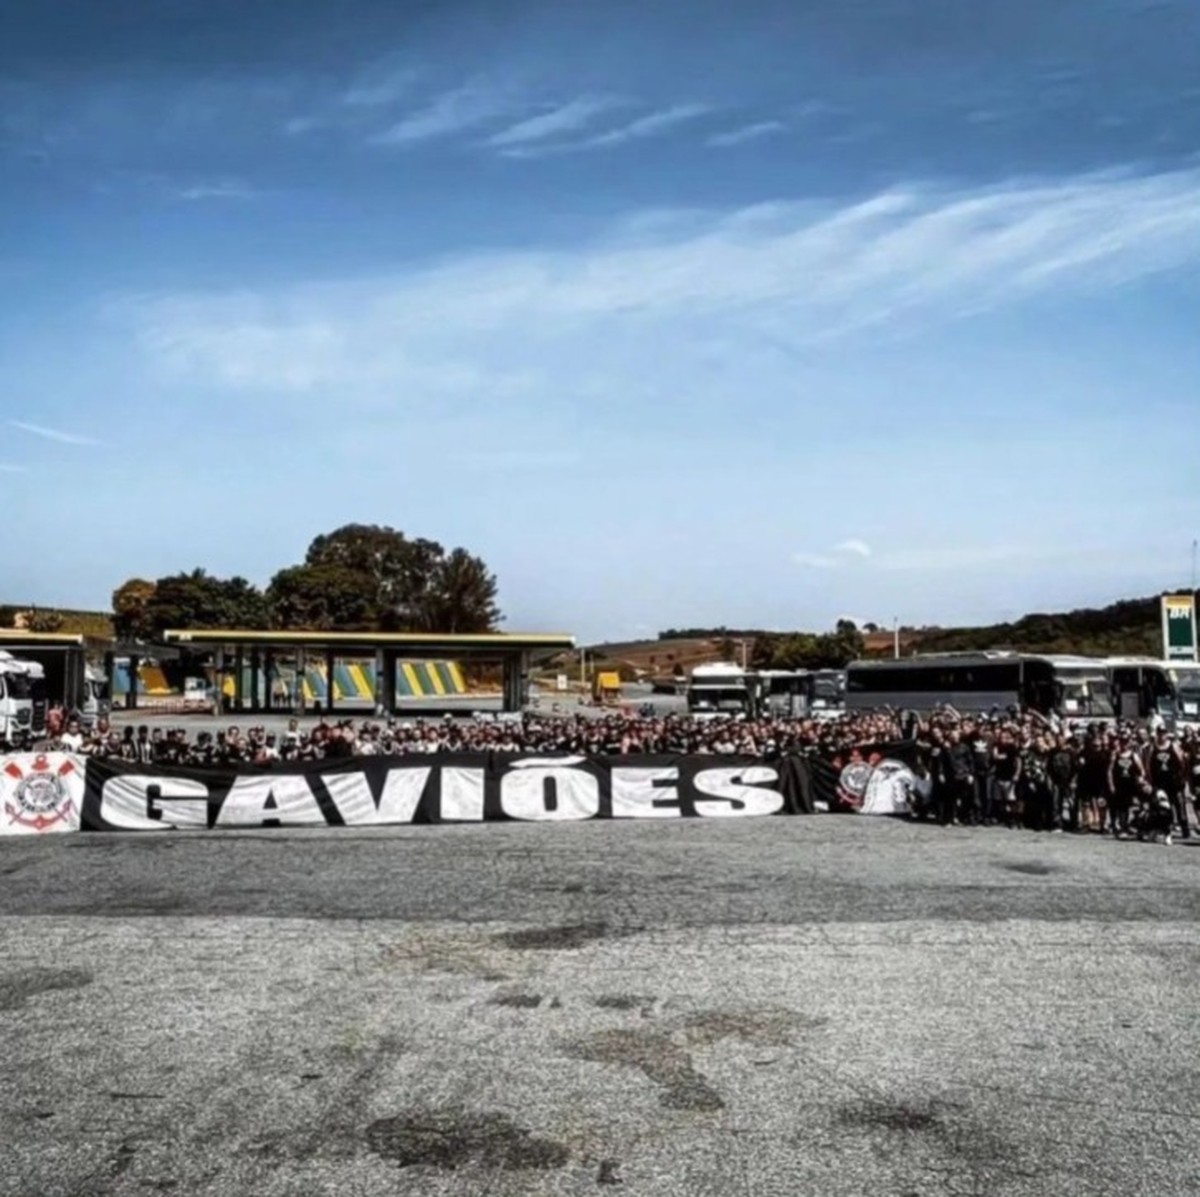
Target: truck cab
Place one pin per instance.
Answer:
(16, 701)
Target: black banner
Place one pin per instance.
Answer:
(438, 788)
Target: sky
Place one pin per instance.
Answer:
(678, 314)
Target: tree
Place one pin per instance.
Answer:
(41, 620)
(410, 585)
(462, 596)
(321, 597)
(199, 600)
(129, 602)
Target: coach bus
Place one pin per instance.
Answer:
(979, 683)
(1145, 688)
(721, 690)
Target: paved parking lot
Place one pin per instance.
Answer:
(805, 1005)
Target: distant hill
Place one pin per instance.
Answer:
(96, 625)
(1131, 627)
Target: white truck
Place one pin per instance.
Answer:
(16, 700)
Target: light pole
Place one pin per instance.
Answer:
(896, 637)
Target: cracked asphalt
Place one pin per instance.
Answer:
(773, 1006)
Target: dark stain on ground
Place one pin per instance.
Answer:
(965, 1142)
(890, 1116)
(451, 1137)
(518, 1001)
(659, 1058)
(553, 939)
(1031, 868)
(123, 1159)
(623, 1001)
(17, 987)
(771, 1027)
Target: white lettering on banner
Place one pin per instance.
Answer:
(127, 800)
(525, 794)
(398, 800)
(635, 796)
(289, 795)
(737, 792)
(462, 794)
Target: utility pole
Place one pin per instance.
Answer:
(896, 637)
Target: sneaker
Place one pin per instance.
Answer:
(1167, 841)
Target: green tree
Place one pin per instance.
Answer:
(324, 598)
(129, 602)
(462, 596)
(199, 600)
(42, 620)
(411, 585)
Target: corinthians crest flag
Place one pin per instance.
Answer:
(40, 793)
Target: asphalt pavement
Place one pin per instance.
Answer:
(814, 1005)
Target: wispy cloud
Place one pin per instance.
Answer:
(841, 554)
(382, 85)
(754, 132)
(452, 112)
(566, 118)
(780, 274)
(52, 434)
(651, 125)
(219, 191)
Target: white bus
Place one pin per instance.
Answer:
(1076, 688)
(817, 693)
(1145, 688)
(721, 690)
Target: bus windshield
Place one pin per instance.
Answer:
(714, 698)
(1086, 696)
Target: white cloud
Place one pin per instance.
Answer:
(382, 85)
(815, 560)
(452, 112)
(754, 132)
(226, 190)
(52, 434)
(565, 118)
(603, 317)
(841, 554)
(650, 125)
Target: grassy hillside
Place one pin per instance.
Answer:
(1129, 627)
(96, 625)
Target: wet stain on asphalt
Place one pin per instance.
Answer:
(451, 1137)
(16, 988)
(517, 1001)
(1031, 868)
(553, 939)
(659, 1058)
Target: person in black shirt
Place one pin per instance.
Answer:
(1060, 770)
(961, 767)
(1126, 776)
(1168, 773)
(1006, 772)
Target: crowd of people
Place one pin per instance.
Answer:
(1005, 769)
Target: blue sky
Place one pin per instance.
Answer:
(675, 313)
